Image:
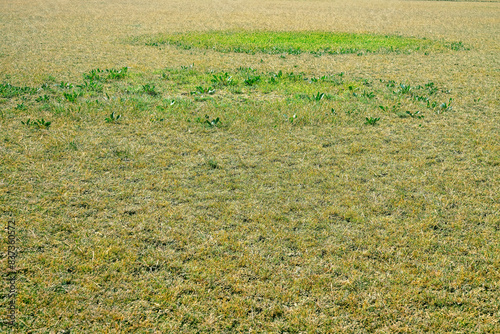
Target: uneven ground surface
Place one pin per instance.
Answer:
(162, 222)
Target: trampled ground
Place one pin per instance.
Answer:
(251, 166)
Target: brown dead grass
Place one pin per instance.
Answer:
(335, 229)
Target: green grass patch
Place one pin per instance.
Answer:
(223, 97)
(296, 42)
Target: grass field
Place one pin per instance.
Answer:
(253, 166)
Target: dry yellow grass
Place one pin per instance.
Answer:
(139, 226)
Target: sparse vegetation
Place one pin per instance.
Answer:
(112, 118)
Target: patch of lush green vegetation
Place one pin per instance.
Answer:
(221, 97)
(296, 42)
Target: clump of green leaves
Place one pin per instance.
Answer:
(107, 74)
(21, 106)
(252, 80)
(446, 106)
(431, 104)
(112, 118)
(212, 163)
(43, 98)
(403, 89)
(203, 90)
(275, 77)
(457, 46)
(369, 95)
(372, 120)
(291, 119)
(93, 75)
(318, 97)
(65, 85)
(91, 85)
(223, 79)
(72, 97)
(8, 91)
(216, 122)
(431, 87)
(149, 89)
(117, 74)
(39, 123)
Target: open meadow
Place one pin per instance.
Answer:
(258, 166)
